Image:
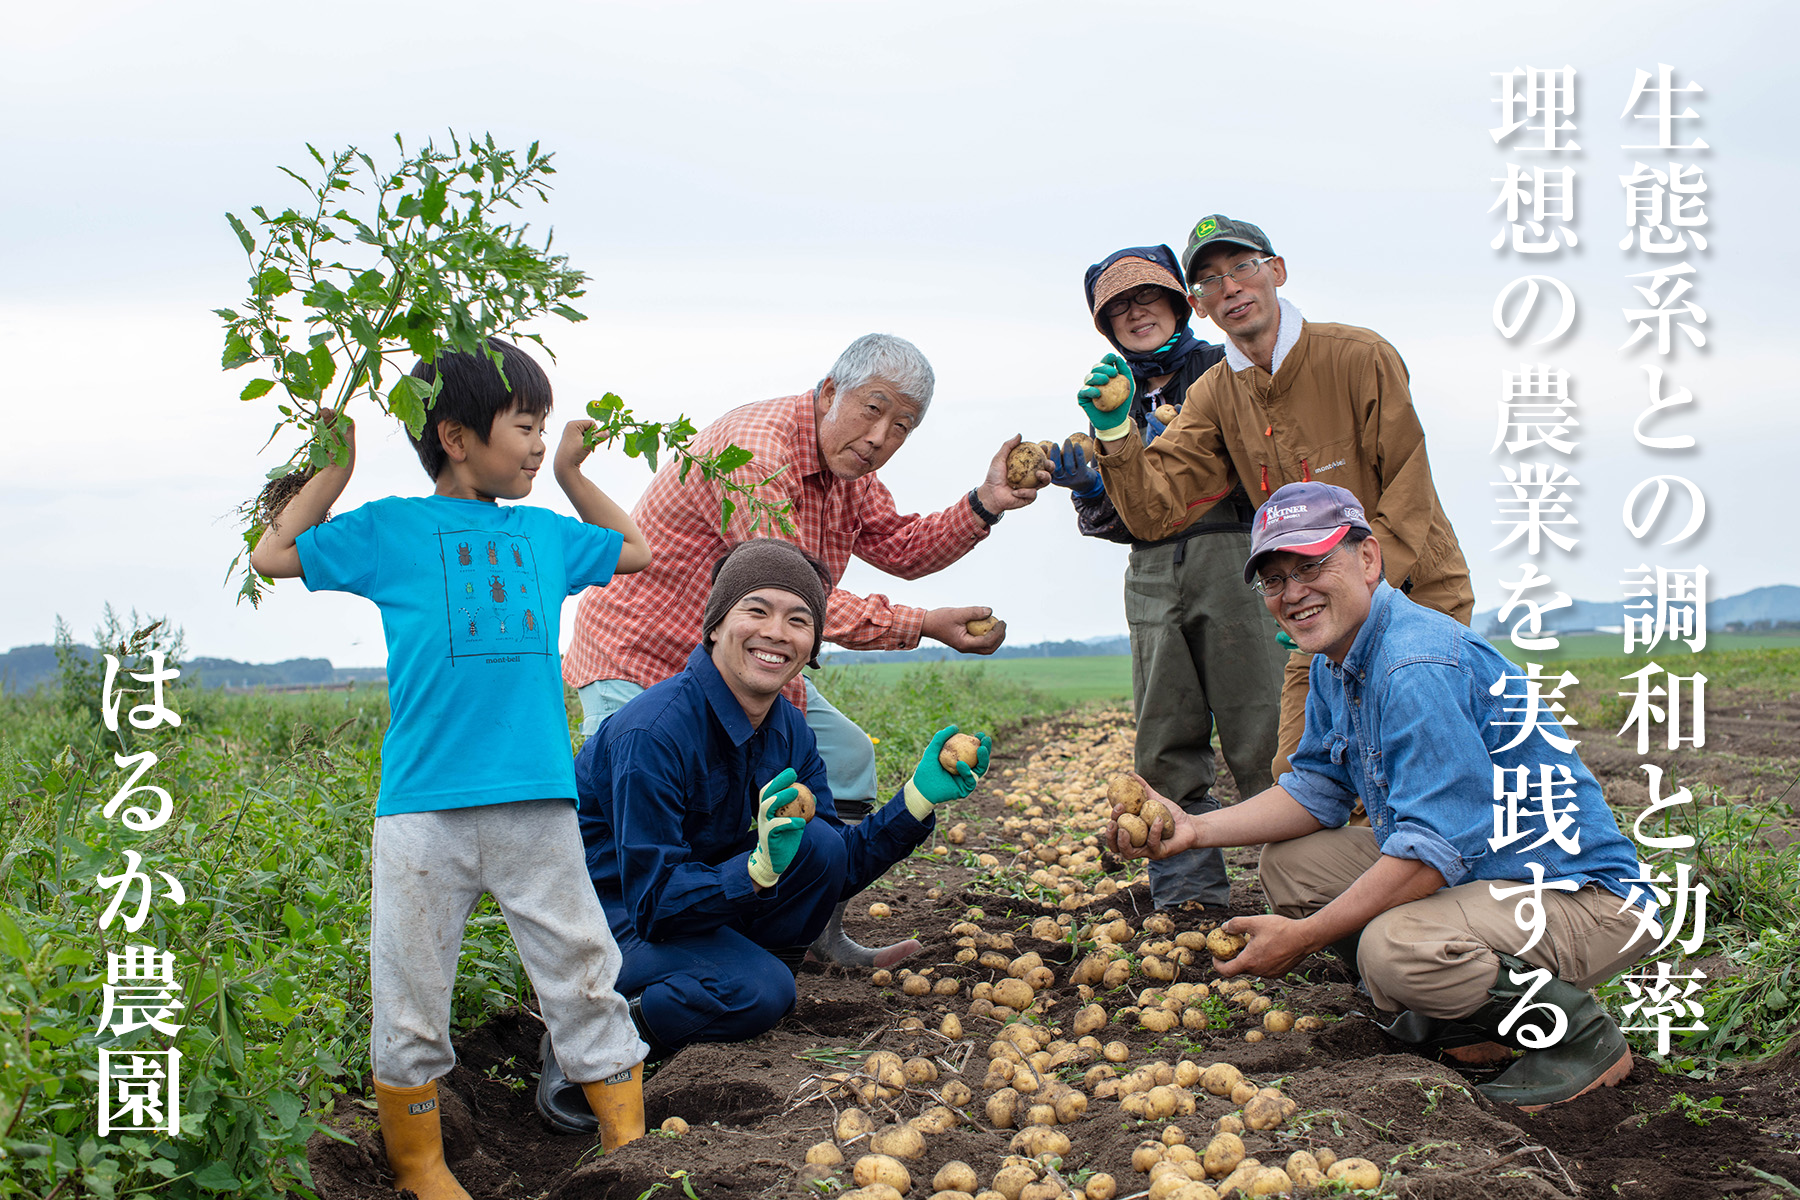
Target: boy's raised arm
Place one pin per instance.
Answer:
(275, 555)
(592, 504)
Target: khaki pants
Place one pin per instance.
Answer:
(1437, 956)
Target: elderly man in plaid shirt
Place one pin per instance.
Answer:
(831, 441)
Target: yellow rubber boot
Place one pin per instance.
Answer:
(618, 1104)
(415, 1143)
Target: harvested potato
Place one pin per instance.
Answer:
(1309, 1024)
(1193, 1189)
(1116, 1052)
(1115, 392)
(1358, 1172)
(1070, 1106)
(1240, 1178)
(1270, 1181)
(1223, 1154)
(1014, 993)
(1225, 946)
(1262, 1113)
(961, 747)
(1278, 1020)
(936, 1119)
(1023, 464)
(1048, 447)
(919, 1070)
(1166, 413)
(956, 1093)
(878, 910)
(1136, 831)
(1147, 1155)
(981, 626)
(1002, 1108)
(1126, 792)
(852, 1123)
(1220, 1078)
(1038, 1140)
(1242, 1092)
(674, 1125)
(1326, 1156)
(1254, 1035)
(1300, 1160)
(1084, 443)
(801, 806)
(916, 985)
(1012, 1178)
(1307, 1177)
(1229, 1123)
(874, 1191)
(951, 1194)
(898, 1141)
(1089, 1019)
(879, 1168)
(1158, 1020)
(956, 1176)
(824, 1154)
(1043, 1189)
(1101, 1186)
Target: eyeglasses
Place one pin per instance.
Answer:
(1274, 585)
(1143, 298)
(1243, 273)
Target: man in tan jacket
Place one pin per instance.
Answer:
(1293, 401)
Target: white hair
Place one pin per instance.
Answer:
(891, 359)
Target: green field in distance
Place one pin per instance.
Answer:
(1108, 677)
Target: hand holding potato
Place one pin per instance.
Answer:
(933, 784)
(951, 627)
(996, 494)
(1276, 946)
(1167, 830)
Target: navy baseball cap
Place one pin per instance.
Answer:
(1303, 518)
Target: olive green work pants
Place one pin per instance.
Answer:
(1203, 649)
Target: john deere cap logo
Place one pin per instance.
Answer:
(1206, 228)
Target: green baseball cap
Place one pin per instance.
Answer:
(1220, 228)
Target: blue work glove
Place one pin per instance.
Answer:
(777, 838)
(1110, 425)
(931, 785)
(1069, 468)
(1152, 426)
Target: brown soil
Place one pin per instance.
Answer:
(754, 1108)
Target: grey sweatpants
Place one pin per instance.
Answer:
(431, 869)
(1202, 649)
(1437, 956)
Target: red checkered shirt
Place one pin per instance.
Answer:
(641, 627)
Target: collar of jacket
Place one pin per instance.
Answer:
(1363, 648)
(1287, 335)
(725, 707)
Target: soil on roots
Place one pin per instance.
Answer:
(754, 1108)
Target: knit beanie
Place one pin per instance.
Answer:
(766, 562)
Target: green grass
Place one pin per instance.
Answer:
(1609, 645)
(1065, 680)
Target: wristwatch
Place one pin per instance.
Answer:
(988, 518)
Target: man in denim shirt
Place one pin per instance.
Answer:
(1405, 715)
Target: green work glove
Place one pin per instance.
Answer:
(777, 838)
(1108, 426)
(1287, 643)
(931, 785)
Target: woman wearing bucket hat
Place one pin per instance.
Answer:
(1203, 647)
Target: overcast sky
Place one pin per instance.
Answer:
(753, 185)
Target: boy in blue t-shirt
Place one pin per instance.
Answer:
(477, 782)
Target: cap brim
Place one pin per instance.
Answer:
(1295, 543)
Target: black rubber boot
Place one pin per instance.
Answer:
(833, 945)
(1465, 1043)
(1592, 1052)
(562, 1104)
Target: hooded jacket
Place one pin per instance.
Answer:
(1188, 360)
